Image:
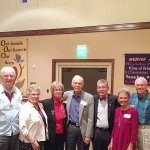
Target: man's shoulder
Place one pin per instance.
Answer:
(111, 96)
(87, 94)
(45, 101)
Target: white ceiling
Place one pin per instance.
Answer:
(49, 14)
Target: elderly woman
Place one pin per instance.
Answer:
(32, 121)
(125, 129)
(56, 115)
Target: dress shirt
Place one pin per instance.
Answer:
(74, 109)
(142, 105)
(102, 114)
(30, 121)
(9, 111)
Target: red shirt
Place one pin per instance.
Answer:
(60, 114)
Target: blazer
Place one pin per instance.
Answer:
(48, 105)
(112, 105)
(30, 121)
(86, 112)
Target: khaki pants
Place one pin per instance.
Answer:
(143, 139)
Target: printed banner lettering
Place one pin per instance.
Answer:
(136, 65)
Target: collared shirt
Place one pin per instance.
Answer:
(102, 114)
(60, 115)
(74, 109)
(142, 105)
(9, 111)
(30, 121)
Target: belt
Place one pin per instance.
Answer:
(73, 123)
(143, 126)
(102, 129)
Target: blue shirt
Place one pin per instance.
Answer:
(142, 105)
(74, 109)
(9, 112)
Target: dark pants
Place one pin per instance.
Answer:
(74, 138)
(28, 146)
(58, 145)
(101, 139)
(9, 142)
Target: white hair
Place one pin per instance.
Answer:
(7, 69)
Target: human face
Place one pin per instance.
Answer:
(77, 85)
(8, 79)
(141, 87)
(34, 96)
(102, 89)
(58, 92)
(123, 99)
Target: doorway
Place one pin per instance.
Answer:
(91, 70)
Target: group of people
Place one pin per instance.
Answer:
(73, 119)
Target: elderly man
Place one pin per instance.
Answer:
(10, 100)
(141, 101)
(104, 108)
(80, 111)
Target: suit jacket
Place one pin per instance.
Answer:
(48, 105)
(86, 112)
(112, 105)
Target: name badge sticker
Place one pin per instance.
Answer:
(127, 115)
(83, 103)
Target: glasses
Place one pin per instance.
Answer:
(8, 76)
(34, 94)
(140, 85)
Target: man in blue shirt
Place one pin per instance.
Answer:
(10, 101)
(80, 111)
(141, 101)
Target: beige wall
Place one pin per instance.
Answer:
(102, 45)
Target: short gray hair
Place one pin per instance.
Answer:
(124, 90)
(56, 84)
(32, 87)
(102, 81)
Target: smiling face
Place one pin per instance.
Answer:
(34, 96)
(77, 84)
(102, 89)
(58, 91)
(123, 99)
(141, 86)
(8, 78)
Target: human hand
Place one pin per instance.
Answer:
(35, 145)
(87, 140)
(109, 147)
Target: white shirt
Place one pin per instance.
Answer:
(102, 114)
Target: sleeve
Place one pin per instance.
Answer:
(23, 120)
(89, 131)
(134, 128)
(113, 131)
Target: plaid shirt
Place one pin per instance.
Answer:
(142, 105)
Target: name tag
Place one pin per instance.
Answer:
(83, 103)
(127, 115)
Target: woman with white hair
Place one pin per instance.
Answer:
(125, 128)
(32, 121)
